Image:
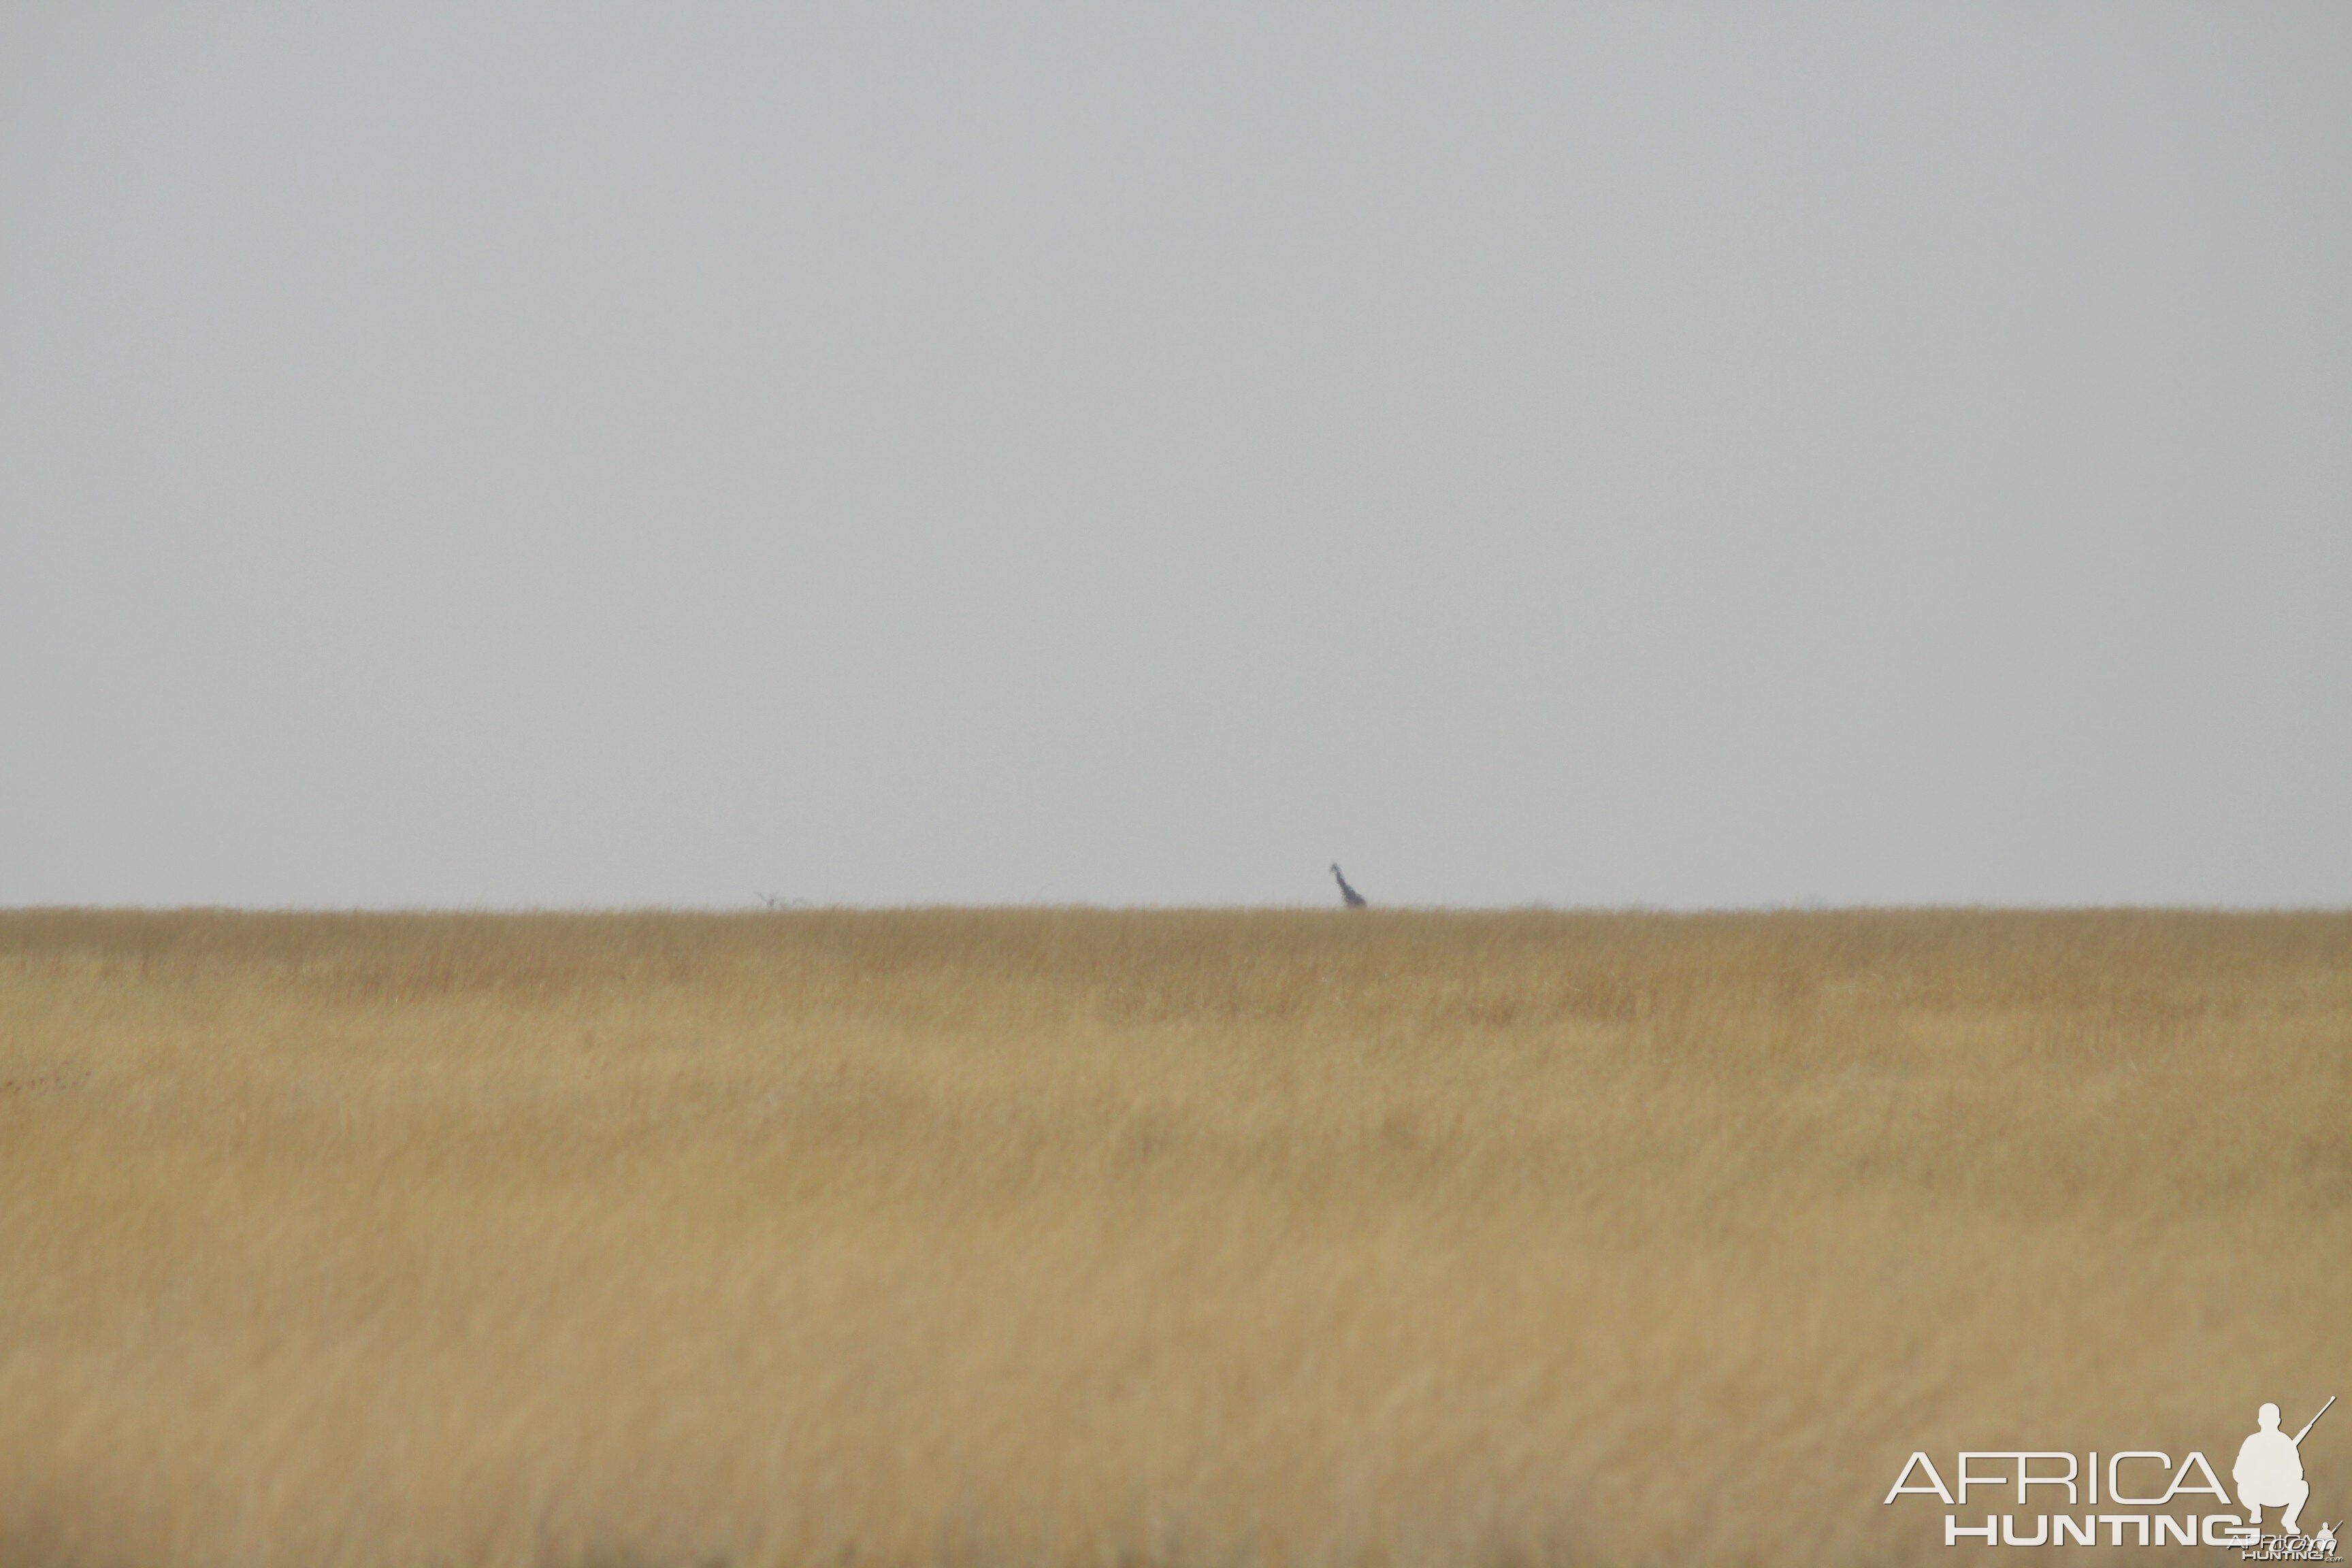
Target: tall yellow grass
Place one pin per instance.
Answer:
(1086, 1238)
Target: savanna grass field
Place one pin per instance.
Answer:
(1092, 1238)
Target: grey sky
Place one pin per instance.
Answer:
(463, 455)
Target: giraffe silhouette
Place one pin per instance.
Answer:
(1348, 895)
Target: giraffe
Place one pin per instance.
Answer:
(1348, 895)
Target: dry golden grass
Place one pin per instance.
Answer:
(1086, 1237)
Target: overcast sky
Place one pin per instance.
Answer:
(498, 454)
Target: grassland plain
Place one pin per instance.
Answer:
(969, 1237)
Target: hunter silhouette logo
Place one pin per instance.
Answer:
(2269, 1471)
(2268, 1474)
